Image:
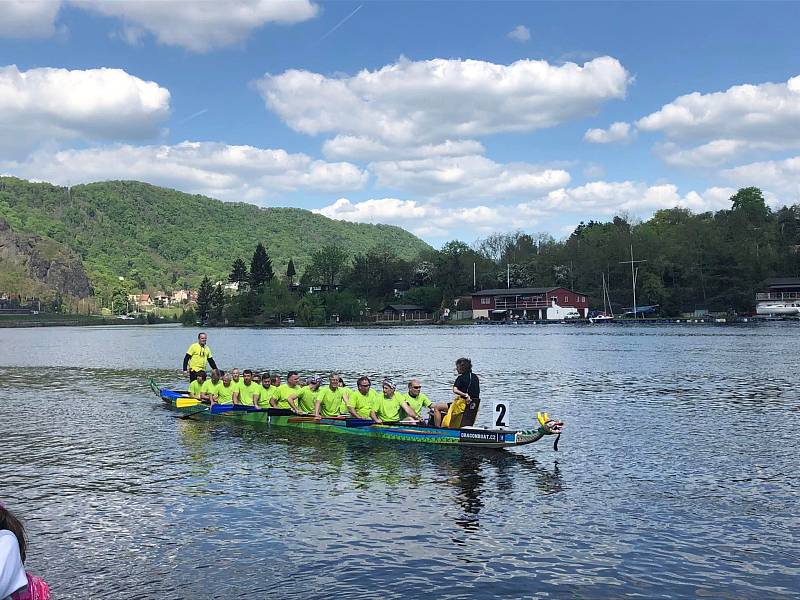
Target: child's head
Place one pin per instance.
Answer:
(10, 522)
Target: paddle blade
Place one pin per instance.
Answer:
(186, 402)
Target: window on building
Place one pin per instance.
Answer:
(486, 300)
(566, 298)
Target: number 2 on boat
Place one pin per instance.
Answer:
(500, 412)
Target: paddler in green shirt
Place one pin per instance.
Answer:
(388, 406)
(208, 391)
(360, 403)
(196, 385)
(286, 395)
(330, 400)
(225, 390)
(268, 390)
(249, 391)
(416, 400)
(307, 398)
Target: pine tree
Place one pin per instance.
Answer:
(260, 268)
(204, 295)
(238, 272)
(290, 272)
(217, 304)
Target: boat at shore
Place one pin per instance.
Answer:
(480, 437)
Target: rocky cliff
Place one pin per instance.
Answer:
(44, 260)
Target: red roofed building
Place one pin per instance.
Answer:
(524, 303)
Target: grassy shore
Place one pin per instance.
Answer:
(58, 319)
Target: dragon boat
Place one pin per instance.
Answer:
(481, 437)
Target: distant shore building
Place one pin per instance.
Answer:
(781, 297)
(403, 312)
(525, 303)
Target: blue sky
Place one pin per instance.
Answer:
(453, 120)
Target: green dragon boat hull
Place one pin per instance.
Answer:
(467, 436)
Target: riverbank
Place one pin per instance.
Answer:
(61, 320)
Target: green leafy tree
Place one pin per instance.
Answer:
(238, 272)
(327, 265)
(260, 268)
(277, 302)
(188, 317)
(428, 297)
(204, 296)
(290, 272)
(310, 310)
(342, 304)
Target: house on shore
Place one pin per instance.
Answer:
(403, 312)
(525, 303)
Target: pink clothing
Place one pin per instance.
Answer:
(37, 590)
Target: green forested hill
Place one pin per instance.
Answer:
(158, 237)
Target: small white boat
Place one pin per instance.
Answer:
(778, 308)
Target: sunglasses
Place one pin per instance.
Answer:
(416, 387)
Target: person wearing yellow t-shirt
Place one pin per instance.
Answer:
(360, 403)
(268, 391)
(388, 406)
(330, 400)
(307, 397)
(286, 394)
(208, 391)
(196, 385)
(249, 391)
(225, 390)
(417, 400)
(197, 356)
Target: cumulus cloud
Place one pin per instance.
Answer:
(352, 147)
(199, 25)
(243, 173)
(711, 129)
(617, 132)
(780, 176)
(429, 219)
(469, 177)
(52, 105)
(604, 199)
(410, 103)
(26, 19)
(520, 33)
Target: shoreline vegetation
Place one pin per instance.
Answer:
(315, 271)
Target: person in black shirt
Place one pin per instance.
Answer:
(467, 386)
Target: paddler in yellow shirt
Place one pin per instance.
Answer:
(286, 395)
(249, 392)
(197, 356)
(225, 391)
(208, 391)
(360, 403)
(388, 407)
(196, 385)
(330, 400)
(268, 390)
(307, 397)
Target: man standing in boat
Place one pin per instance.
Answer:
(197, 356)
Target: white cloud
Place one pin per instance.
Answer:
(470, 177)
(725, 125)
(520, 33)
(243, 173)
(780, 176)
(199, 25)
(603, 199)
(617, 132)
(350, 147)
(27, 19)
(429, 219)
(52, 105)
(410, 103)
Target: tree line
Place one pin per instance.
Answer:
(711, 260)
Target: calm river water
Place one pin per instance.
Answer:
(677, 474)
